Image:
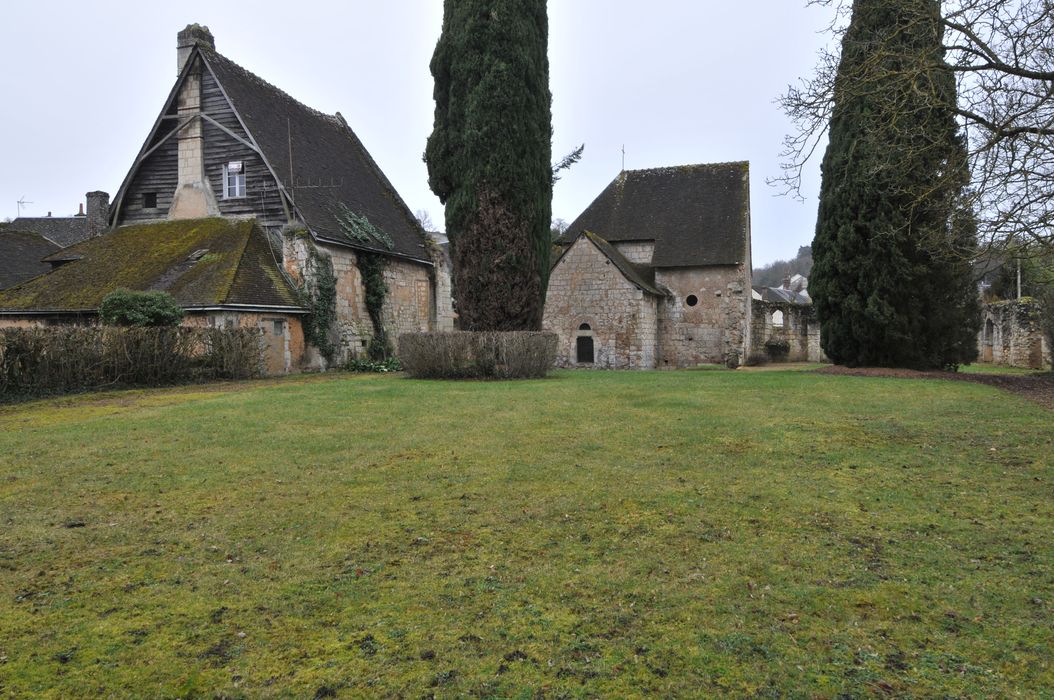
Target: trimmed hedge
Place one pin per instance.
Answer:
(42, 361)
(478, 355)
(124, 307)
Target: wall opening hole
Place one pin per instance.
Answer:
(691, 300)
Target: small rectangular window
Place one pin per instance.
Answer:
(279, 327)
(150, 200)
(233, 180)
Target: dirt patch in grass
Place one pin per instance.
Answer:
(1037, 387)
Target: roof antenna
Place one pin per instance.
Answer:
(623, 157)
(21, 204)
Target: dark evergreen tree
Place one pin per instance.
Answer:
(891, 278)
(489, 158)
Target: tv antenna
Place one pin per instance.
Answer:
(623, 157)
(21, 204)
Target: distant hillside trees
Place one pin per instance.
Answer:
(773, 274)
(892, 280)
(489, 158)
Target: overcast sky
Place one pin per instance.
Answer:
(676, 81)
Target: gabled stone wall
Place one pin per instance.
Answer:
(586, 288)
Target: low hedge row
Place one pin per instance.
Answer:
(477, 355)
(41, 361)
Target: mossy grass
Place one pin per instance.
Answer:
(594, 534)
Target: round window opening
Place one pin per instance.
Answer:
(692, 300)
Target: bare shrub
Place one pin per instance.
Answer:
(39, 361)
(478, 355)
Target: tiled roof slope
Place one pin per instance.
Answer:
(325, 151)
(63, 230)
(696, 214)
(200, 262)
(21, 255)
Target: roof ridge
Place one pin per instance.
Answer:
(622, 263)
(241, 258)
(688, 166)
(206, 52)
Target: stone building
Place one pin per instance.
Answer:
(228, 144)
(784, 324)
(1012, 335)
(221, 271)
(655, 273)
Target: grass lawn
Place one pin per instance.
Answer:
(766, 534)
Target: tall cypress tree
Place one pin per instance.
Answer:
(489, 158)
(891, 278)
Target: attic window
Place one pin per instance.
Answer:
(691, 300)
(150, 200)
(233, 180)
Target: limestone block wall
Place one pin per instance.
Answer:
(713, 329)
(410, 305)
(586, 288)
(1011, 335)
(639, 252)
(777, 324)
(445, 316)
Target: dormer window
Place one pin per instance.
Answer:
(233, 180)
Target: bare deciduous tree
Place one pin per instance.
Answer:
(1002, 52)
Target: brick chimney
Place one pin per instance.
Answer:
(186, 40)
(98, 213)
(193, 198)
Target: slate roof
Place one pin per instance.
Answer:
(696, 214)
(324, 149)
(643, 276)
(21, 256)
(63, 230)
(784, 296)
(200, 262)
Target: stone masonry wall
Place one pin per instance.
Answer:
(717, 328)
(1011, 335)
(799, 333)
(409, 305)
(585, 287)
(639, 252)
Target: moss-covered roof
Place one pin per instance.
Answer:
(200, 262)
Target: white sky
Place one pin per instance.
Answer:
(676, 81)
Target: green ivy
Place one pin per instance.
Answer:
(371, 267)
(318, 294)
(359, 229)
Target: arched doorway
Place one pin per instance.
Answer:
(584, 354)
